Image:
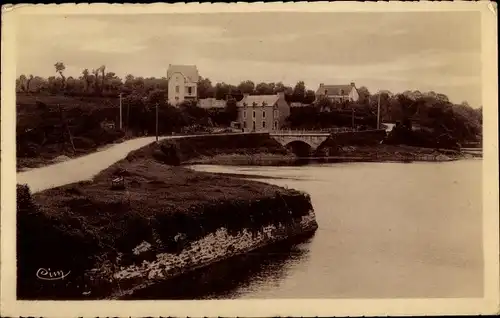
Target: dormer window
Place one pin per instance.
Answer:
(326, 92)
(342, 92)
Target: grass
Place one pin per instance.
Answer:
(86, 224)
(41, 135)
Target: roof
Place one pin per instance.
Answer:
(259, 100)
(188, 71)
(334, 89)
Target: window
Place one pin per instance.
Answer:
(253, 125)
(245, 114)
(177, 89)
(275, 125)
(189, 90)
(276, 113)
(263, 124)
(253, 114)
(244, 124)
(342, 92)
(263, 114)
(326, 92)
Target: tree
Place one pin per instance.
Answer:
(364, 95)
(231, 109)
(246, 87)
(95, 72)
(309, 97)
(299, 92)
(279, 87)
(22, 82)
(60, 67)
(264, 89)
(85, 77)
(205, 88)
(102, 69)
(222, 90)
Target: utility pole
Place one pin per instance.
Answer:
(156, 122)
(352, 111)
(378, 112)
(121, 118)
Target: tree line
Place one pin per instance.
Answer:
(100, 82)
(429, 110)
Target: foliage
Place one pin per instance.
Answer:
(430, 110)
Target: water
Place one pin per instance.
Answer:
(386, 230)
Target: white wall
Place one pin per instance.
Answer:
(175, 97)
(353, 95)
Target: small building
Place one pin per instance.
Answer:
(211, 102)
(261, 113)
(298, 104)
(182, 83)
(338, 93)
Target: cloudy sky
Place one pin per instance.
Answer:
(439, 51)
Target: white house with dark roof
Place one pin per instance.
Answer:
(338, 93)
(182, 83)
(263, 112)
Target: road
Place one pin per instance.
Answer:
(85, 167)
(81, 168)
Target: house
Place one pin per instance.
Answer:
(263, 112)
(211, 102)
(182, 83)
(338, 93)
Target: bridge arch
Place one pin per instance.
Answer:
(300, 148)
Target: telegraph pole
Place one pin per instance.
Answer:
(121, 118)
(156, 122)
(378, 112)
(352, 111)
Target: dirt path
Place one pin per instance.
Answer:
(81, 168)
(85, 167)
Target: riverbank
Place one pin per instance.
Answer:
(395, 153)
(371, 153)
(166, 222)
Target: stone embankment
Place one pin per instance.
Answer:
(217, 246)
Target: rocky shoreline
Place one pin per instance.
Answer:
(211, 249)
(380, 153)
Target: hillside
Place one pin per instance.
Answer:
(51, 126)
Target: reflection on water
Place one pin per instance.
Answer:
(231, 278)
(386, 230)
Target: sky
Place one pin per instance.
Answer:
(397, 51)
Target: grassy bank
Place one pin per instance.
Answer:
(86, 225)
(382, 152)
(258, 149)
(49, 127)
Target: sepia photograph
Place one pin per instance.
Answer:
(199, 153)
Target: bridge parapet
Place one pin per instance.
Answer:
(296, 132)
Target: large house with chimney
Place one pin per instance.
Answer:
(182, 83)
(262, 113)
(338, 93)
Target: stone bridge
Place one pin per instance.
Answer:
(312, 139)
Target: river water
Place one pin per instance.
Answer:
(386, 230)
